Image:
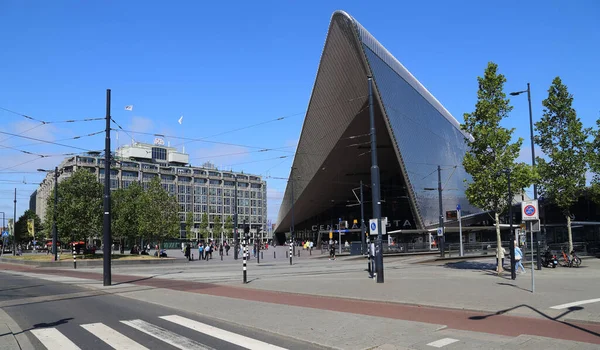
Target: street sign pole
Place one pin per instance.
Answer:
(460, 237)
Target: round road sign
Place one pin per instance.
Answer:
(373, 226)
(529, 210)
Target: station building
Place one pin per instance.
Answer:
(415, 135)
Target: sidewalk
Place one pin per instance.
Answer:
(280, 295)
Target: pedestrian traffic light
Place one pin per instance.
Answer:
(247, 229)
(330, 235)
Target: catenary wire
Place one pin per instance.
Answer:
(45, 141)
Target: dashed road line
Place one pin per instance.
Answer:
(442, 342)
(575, 303)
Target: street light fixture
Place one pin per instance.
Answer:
(54, 228)
(528, 91)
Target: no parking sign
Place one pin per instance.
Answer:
(529, 210)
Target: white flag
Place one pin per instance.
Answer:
(180, 119)
(129, 108)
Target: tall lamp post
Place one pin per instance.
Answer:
(441, 219)
(54, 228)
(375, 182)
(535, 193)
(528, 91)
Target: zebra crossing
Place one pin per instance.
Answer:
(53, 339)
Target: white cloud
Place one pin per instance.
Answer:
(31, 129)
(141, 124)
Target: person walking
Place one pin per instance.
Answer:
(331, 250)
(188, 252)
(200, 251)
(518, 257)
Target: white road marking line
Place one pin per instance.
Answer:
(222, 334)
(111, 337)
(442, 342)
(576, 303)
(168, 337)
(53, 339)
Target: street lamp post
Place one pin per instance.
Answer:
(3, 228)
(236, 237)
(441, 218)
(292, 248)
(54, 227)
(535, 193)
(528, 91)
(375, 182)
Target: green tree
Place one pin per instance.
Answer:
(593, 154)
(189, 225)
(159, 213)
(563, 139)
(79, 209)
(491, 152)
(203, 226)
(21, 232)
(228, 227)
(126, 212)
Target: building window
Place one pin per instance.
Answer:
(159, 153)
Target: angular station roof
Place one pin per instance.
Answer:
(414, 132)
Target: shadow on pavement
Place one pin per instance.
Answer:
(513, 285)
(555, 319)
(471, 265)
(146, 278)
(52, 324)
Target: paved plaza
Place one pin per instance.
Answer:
(334, 303)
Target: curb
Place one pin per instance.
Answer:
(87, 263)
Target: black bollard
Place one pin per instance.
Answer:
(286, 254)
(192, 257)
(274, 256)
(262, 256)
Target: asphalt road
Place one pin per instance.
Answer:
(39, 306)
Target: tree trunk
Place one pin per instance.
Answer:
(569, 233)
(499, 268)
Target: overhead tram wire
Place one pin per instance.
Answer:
(270, 121)
(200, 140)
(121, 128)
(45, 141)
(64, 139)
(50, 121)
(38, 158)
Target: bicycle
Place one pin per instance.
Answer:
(573, 261)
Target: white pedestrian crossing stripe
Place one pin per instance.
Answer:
(53, 339)
(168, 337)
(111, 337)
(442, 342)
(222, 334)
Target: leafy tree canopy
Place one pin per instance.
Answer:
(79, 209)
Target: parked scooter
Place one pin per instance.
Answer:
(549, 260)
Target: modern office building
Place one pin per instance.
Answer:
(415, 134)
(199, 190)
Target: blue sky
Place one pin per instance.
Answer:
(228, 65)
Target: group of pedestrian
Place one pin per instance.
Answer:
(206, 249)
(518, 254)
